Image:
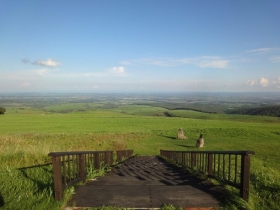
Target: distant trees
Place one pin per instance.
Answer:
(2, 110)
(265, 111)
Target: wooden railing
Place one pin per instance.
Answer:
(123, 154)
(230, 167)
(71, 167)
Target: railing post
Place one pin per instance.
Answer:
(183, 158)
(180, 158)
(57, 178)
(123, 154)
(245, 174)
(82, 166)
(169, 156)
(173, 157)
(210, 164)
(96, 161)
(177, 157)
(193, 160)
(118, 156)
(111, 158)
(106, 159)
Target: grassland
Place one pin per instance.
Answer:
(28, 134)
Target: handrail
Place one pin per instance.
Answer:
(54, 154)
(232, 167)
(71, 167)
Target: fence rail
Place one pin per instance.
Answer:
(71, 167)
(231, 167)
(123, 154)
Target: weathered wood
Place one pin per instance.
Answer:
(245, 174)
(222, 166)
(146, 182)
(57, 179)
(82, 166)
(210, 164)
(72, 168)
(75, 153)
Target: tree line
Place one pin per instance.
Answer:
(273, 111)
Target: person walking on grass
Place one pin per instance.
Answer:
(200, 142)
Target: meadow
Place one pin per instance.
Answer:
(29, 133)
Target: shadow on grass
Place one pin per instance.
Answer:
(170, 137)
(185, 146)
(40, 175)
(1, 201)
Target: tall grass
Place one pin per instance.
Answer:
(26, 177)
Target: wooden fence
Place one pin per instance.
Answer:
(71, 167)
(230, 167)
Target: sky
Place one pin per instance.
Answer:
(100, 46)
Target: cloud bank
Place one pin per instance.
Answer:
(264, 82)
(260, 82)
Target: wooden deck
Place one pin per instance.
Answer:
(147, 182)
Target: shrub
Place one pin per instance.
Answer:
(2, 110)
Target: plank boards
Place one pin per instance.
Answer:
(146, 182)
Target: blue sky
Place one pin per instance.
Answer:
(139, 46)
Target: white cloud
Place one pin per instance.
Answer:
(277, 82)
(263, 82)
(117, 70)
(251, 82)
(95, 87)
(48, 63)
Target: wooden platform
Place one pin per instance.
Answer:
(147, 182)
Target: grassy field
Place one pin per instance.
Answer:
(28, 134)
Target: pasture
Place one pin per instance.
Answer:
(28, 134)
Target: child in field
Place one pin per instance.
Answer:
(200, 142)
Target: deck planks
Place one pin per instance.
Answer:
(146, 182)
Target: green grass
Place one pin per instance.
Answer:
(28, 135)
